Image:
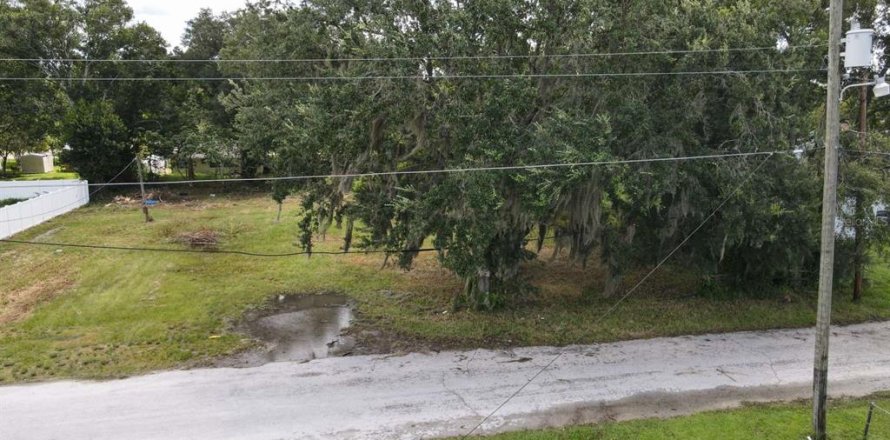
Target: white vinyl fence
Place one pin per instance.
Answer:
(46, 199)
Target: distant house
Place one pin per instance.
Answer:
(846, 229)
(36, 163)
(156, 165)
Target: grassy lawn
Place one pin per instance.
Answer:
(846, 420)
(178, 175)
(58, 174)
(99, 313)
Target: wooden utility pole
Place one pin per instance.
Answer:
(829, 215)
(859, 215)
(142, 189)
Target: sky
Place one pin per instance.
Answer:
(169, 16)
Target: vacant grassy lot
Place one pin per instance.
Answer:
(846, 420)
(68, 312)
(58, 174)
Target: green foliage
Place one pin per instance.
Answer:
(864, 184)
(67, 33)
(30, 109)
(203, 125)
(100, 145)
(623, 215)
(7, 202)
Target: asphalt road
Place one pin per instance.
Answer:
(431, 395)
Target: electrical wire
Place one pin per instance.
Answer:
(875, 405)
(424, 58)
(213, 251)
(421, 77)
(122, 171)
(224, 252)
(447, 170)
(626, 295)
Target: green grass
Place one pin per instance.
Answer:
(57, 174)
(178, 175)
(84, 313)
(7, 202)
(846, 420)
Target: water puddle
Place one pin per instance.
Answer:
(297, 328)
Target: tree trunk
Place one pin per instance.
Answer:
(5, 157)
(278, 218)
(477, 292)
(347, 237)
(190, 169)
(858, 257)
(480, 293)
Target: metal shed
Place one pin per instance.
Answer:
(36, 163)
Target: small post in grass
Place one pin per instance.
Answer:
(148, 218)
(871, 410)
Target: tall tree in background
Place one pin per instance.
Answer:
(143, 108)
(864, 183)
(101, 143)
(204, 123)
(32, 29)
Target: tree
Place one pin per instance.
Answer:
(33, 29)
(482, 221)
(204, 125)
(143, 108)
(99, 140)
(864, 184)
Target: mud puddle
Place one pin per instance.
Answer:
(296, 328)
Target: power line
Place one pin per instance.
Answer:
(626, 295)
(122, 171)
(448, 170)
(880, 409)
(212, 251)
(422, 58)
(421, 77)
(378, 174)
(463, 170)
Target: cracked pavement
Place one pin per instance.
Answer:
(433, 395)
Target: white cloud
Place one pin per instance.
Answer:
(170, 16)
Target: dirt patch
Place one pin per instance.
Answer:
(297, 328)
(48, 234)
(369, 340)
(18, 303)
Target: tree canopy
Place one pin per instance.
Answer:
(462, 108)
